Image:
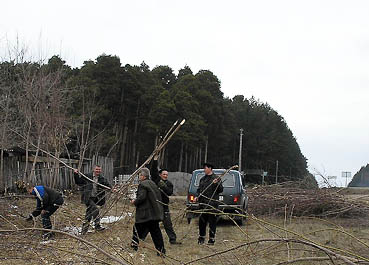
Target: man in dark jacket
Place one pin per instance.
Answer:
(93, 195)
(166, 188)
(149, 212)
(48, 201)
(208, 197)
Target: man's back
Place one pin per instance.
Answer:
(148, 202)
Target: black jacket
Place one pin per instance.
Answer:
(148, 206)
(87, 186)
(208, 191)
(46, 197)
(165, 186)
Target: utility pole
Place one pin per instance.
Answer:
(206, 149)
(276, 172)
(346, 174)
(240, 152)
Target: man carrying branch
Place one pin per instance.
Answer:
(166, 188)
(93, 195)
(208, 197)
(149, 212)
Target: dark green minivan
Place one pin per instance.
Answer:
(232, 200)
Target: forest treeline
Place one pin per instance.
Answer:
(361, 178)
(121, 111)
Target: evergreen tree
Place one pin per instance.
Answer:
(122, 111)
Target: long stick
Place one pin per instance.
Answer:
(220, 177)
(157, 149)
(166, 139)
(170, 129)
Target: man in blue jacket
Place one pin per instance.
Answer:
(48, 201)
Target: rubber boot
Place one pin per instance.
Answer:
(98, 227)
(85, 226)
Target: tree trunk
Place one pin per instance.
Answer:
(192, 156)
(123, 143)
(128, 151)
(2, 146)
(135, 130)
(180, 158)
(84, 142)
(55, 171)
(2, 179)
(137, 159)
(33, 170)
(3, 182)
(200, 155)
(206, 149)
(166, 158)
(186, 159)
(25, 177)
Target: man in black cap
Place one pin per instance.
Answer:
(208, 197)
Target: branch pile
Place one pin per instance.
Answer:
(296, 201)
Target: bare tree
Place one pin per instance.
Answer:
(5, 109)
(44, 102)
(35, 101)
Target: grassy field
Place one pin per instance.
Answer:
(261, 240)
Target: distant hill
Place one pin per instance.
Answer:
(361, 178)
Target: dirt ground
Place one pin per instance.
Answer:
(261, 240)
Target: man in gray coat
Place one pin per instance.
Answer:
(149, 212)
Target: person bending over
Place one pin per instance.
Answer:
(48, 201)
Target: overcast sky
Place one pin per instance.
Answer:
(308, 59)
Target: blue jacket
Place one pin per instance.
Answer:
(46, 197)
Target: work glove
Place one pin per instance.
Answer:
(162, 184)
(29, 218)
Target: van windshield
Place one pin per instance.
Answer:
(228, 179)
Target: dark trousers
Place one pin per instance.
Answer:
(168, 226)
(203, 220)
(48, 211)
(92, 211)
(141, 230)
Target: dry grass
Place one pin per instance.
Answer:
(262, 240)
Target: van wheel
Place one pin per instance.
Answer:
(244, 212)
(218, 218)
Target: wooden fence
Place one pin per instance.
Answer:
(49, 172)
